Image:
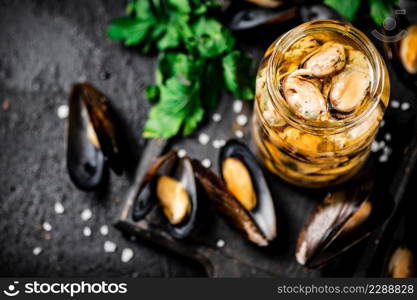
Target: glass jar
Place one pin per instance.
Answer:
(328, 147)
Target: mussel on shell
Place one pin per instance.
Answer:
(401, 263)
(408, 50)
(243, 198)
(345, 217)
(92, 141)
(170, 182)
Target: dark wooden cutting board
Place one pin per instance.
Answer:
(238, 257)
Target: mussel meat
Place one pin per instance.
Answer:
(303, 94)
(408, 50)
(170, 182)
(345, 217)
(328, 59)
(245, 180)
(92, 142)
(401, 263)
(266, 3)
(348, 90)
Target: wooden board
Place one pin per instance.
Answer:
(239, 258)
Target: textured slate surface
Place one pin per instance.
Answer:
(45, 47)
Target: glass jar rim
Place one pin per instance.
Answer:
(361, 40)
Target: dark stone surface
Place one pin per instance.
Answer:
(46, 46)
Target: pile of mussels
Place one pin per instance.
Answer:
(181, 186)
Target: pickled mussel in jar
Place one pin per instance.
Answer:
(321, 92)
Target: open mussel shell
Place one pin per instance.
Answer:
(92, 140)
(146, 195)
(245, 180)
(170, 183)
(318, 11)
(345, 217)
(245, 17)
(225, 203)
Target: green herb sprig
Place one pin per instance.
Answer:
(379, 9)
(197, 60)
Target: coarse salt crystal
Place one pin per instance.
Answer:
(203, 138)
(104, 230)
(62, 111)
(405, 106)
(206, 163)
(383, 158)
(37, 250)
(87, 231)
(395, 104)
(218, 143)
(237, 106)
(59, 208)
(239, 134)
(127, 255)
(375, 146)
(382, 144)
(109, 247)
(382, 123)
(388, 137)
(220, 243)
(242, 120)
(46, 226)
(181, 153)
(86, 214)
(217, 117)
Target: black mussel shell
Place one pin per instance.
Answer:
(263, 212)
(345, 217)
(252, 16)
(92, 139)
(182, 171)
(224, 202)
(146, 196)
(313, 12)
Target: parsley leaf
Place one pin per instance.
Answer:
(194, 49)
(129, 30)
(236, 74)
(347, 8)
(380, 10)
(212, 38)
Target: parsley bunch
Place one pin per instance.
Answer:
(379, 9)
(197, 60)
